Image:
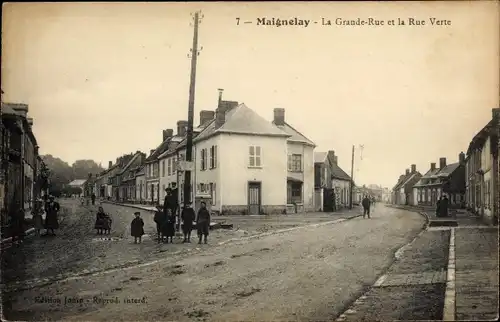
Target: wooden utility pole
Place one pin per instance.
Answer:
(192, 87)
(352, 179)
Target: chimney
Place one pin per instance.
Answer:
(335, 159)
(30, 121)
(21, 109)
(167, 133)
(495, 113)
(407, 171)
(181, 128)
(401, 177)
(413, 168)
(433, 166)
(206, 116)
(442, 163)
(221, 90)
(220, 117)
(110, 164)
(461, 158)
(279, 116)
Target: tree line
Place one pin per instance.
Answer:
(61, 173)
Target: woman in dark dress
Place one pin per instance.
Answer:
(100, 221)
(51, 210)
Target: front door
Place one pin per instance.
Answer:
(328, 200)
(254, 198)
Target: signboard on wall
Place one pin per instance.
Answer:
(185, 166)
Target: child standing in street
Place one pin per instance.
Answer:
(188, 216)
(137, 227)
(159, 219)
(203, 222)
(169, 226)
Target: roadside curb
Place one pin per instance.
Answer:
(127, 205)
(31, 284)
(450, 293)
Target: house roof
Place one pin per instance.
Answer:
(320, 157)
(240, 120)
(438, 173)
(295, 136)
(401, 181)
(129, 163)
(77, 182)
(244, 120)
(338, 173)
(448, 170)
(409, 177)
(479, 137)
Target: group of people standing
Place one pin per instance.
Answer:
(51, 223)
(442, 206)
(165, 219)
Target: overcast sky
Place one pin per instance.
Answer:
(102, 80)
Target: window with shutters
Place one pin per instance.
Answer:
(255, 157)
(203, 159)
(163, 168)
(174, 165)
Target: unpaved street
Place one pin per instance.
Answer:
(309, 273)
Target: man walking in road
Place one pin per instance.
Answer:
(366, 206)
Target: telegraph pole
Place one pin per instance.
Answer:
(192, 87)
(352, 179)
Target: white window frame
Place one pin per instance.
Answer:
(169, 166)
(255, 158)
(292, 162)
(213, 193)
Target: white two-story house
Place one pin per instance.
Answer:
(240, 160)
(300, 166)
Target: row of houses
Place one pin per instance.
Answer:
(242, 163)
(23, 174)
(471, 183)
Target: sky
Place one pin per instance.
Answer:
(102, 80)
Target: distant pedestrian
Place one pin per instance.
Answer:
(168, 228)
(203, 222)
(438, 207)
(93, 199)
(366, 207)
(188, 216)
(51, 211)
(159, 219)
(137, 228)
(37, 217)
(443, 208)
